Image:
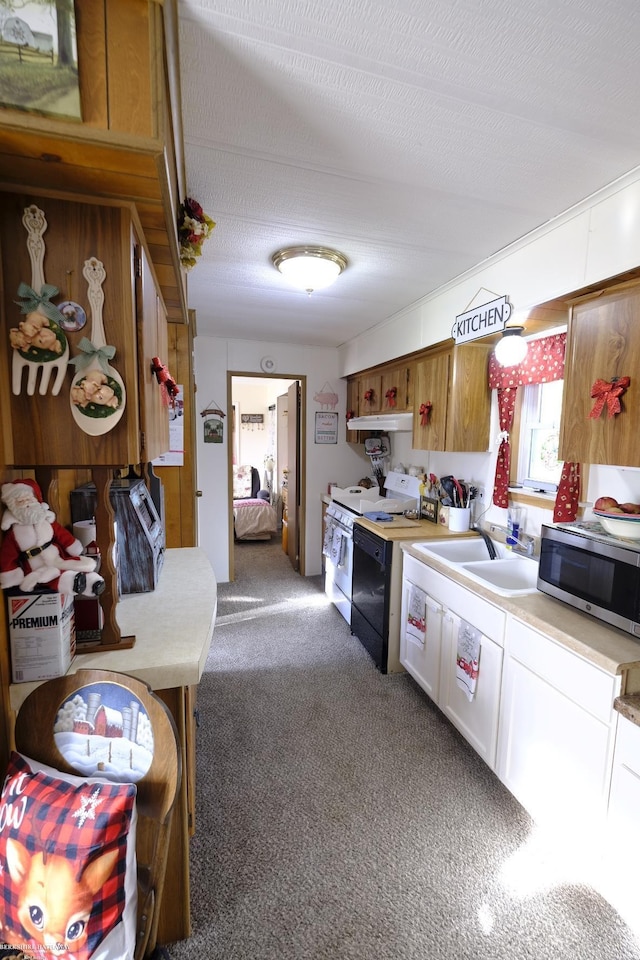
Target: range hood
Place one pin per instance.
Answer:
(382, 421)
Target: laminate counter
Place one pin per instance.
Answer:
(173, 626)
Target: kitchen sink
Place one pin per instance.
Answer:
(462, 550)
(510, 574)
(509, 577)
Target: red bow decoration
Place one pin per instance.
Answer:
(609, 394)
(425, 413)
(167, 383)
(368, 395)
(391, 396)
(350, 415)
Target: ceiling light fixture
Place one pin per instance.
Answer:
(309, 268)
(511, 349)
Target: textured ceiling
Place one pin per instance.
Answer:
(417, 136)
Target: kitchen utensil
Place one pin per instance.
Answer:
(447, 485)
(98, 395)
(34, 358)
(460, 492)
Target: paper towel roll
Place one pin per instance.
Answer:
(85, 531)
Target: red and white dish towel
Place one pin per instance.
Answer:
(468, 658)
(416, 625)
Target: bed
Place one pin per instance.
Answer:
(253, 516)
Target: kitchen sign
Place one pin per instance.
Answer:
(481, 321)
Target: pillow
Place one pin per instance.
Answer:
(67, 863)
(242, 482)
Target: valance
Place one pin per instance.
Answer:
(543, 363)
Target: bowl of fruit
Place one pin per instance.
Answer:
(618, 519)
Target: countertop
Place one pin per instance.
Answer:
(613, 650)
(173, 626)
(629, 707)
(420, 530)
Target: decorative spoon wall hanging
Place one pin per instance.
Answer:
(38, 341)
(98, 395)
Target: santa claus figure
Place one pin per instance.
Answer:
(37, 550)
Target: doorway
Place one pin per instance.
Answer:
(266, 435)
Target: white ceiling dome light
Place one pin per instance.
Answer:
(309, 268)
(511, 349)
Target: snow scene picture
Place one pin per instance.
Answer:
(103, 730)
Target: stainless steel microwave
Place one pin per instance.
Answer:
(596, 574)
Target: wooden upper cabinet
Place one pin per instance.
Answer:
(431, 387)
(128, 144)
(455, 383)
(353, 436)
(395, 382)
(469, 414)
(603, 342)
(152, 340)
(369, 394)
(40, 430)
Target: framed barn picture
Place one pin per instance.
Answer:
(39, 58)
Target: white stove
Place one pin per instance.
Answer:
(403, 493)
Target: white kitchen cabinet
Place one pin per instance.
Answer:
(624, 799)
(557, 730)
(476, 719)
(422, 659)
(433, 665)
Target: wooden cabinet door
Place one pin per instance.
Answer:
(353, 436)
(603, 342)
(152, 342)
(395, 380)
(431, 385)
(369, 394)
(469, 411)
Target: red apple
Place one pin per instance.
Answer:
(606, 504)
(631, 507)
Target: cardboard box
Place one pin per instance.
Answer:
(42, 634)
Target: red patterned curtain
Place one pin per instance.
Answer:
(543, 363)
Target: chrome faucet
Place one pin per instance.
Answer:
(525, 547)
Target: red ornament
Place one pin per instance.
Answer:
(391, 396)
(350, 415)
(425, 413)
(608, 393)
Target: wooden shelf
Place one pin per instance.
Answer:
(129, 144)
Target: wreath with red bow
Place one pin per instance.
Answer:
(391, 396)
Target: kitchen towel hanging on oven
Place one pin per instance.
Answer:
(468, 658)
(338, 547)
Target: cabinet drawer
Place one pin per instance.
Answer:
(566, 671)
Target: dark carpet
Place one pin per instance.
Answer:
(341, 817)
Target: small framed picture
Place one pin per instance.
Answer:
(429, 509)
(326, 427)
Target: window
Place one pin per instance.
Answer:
(538, 467)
